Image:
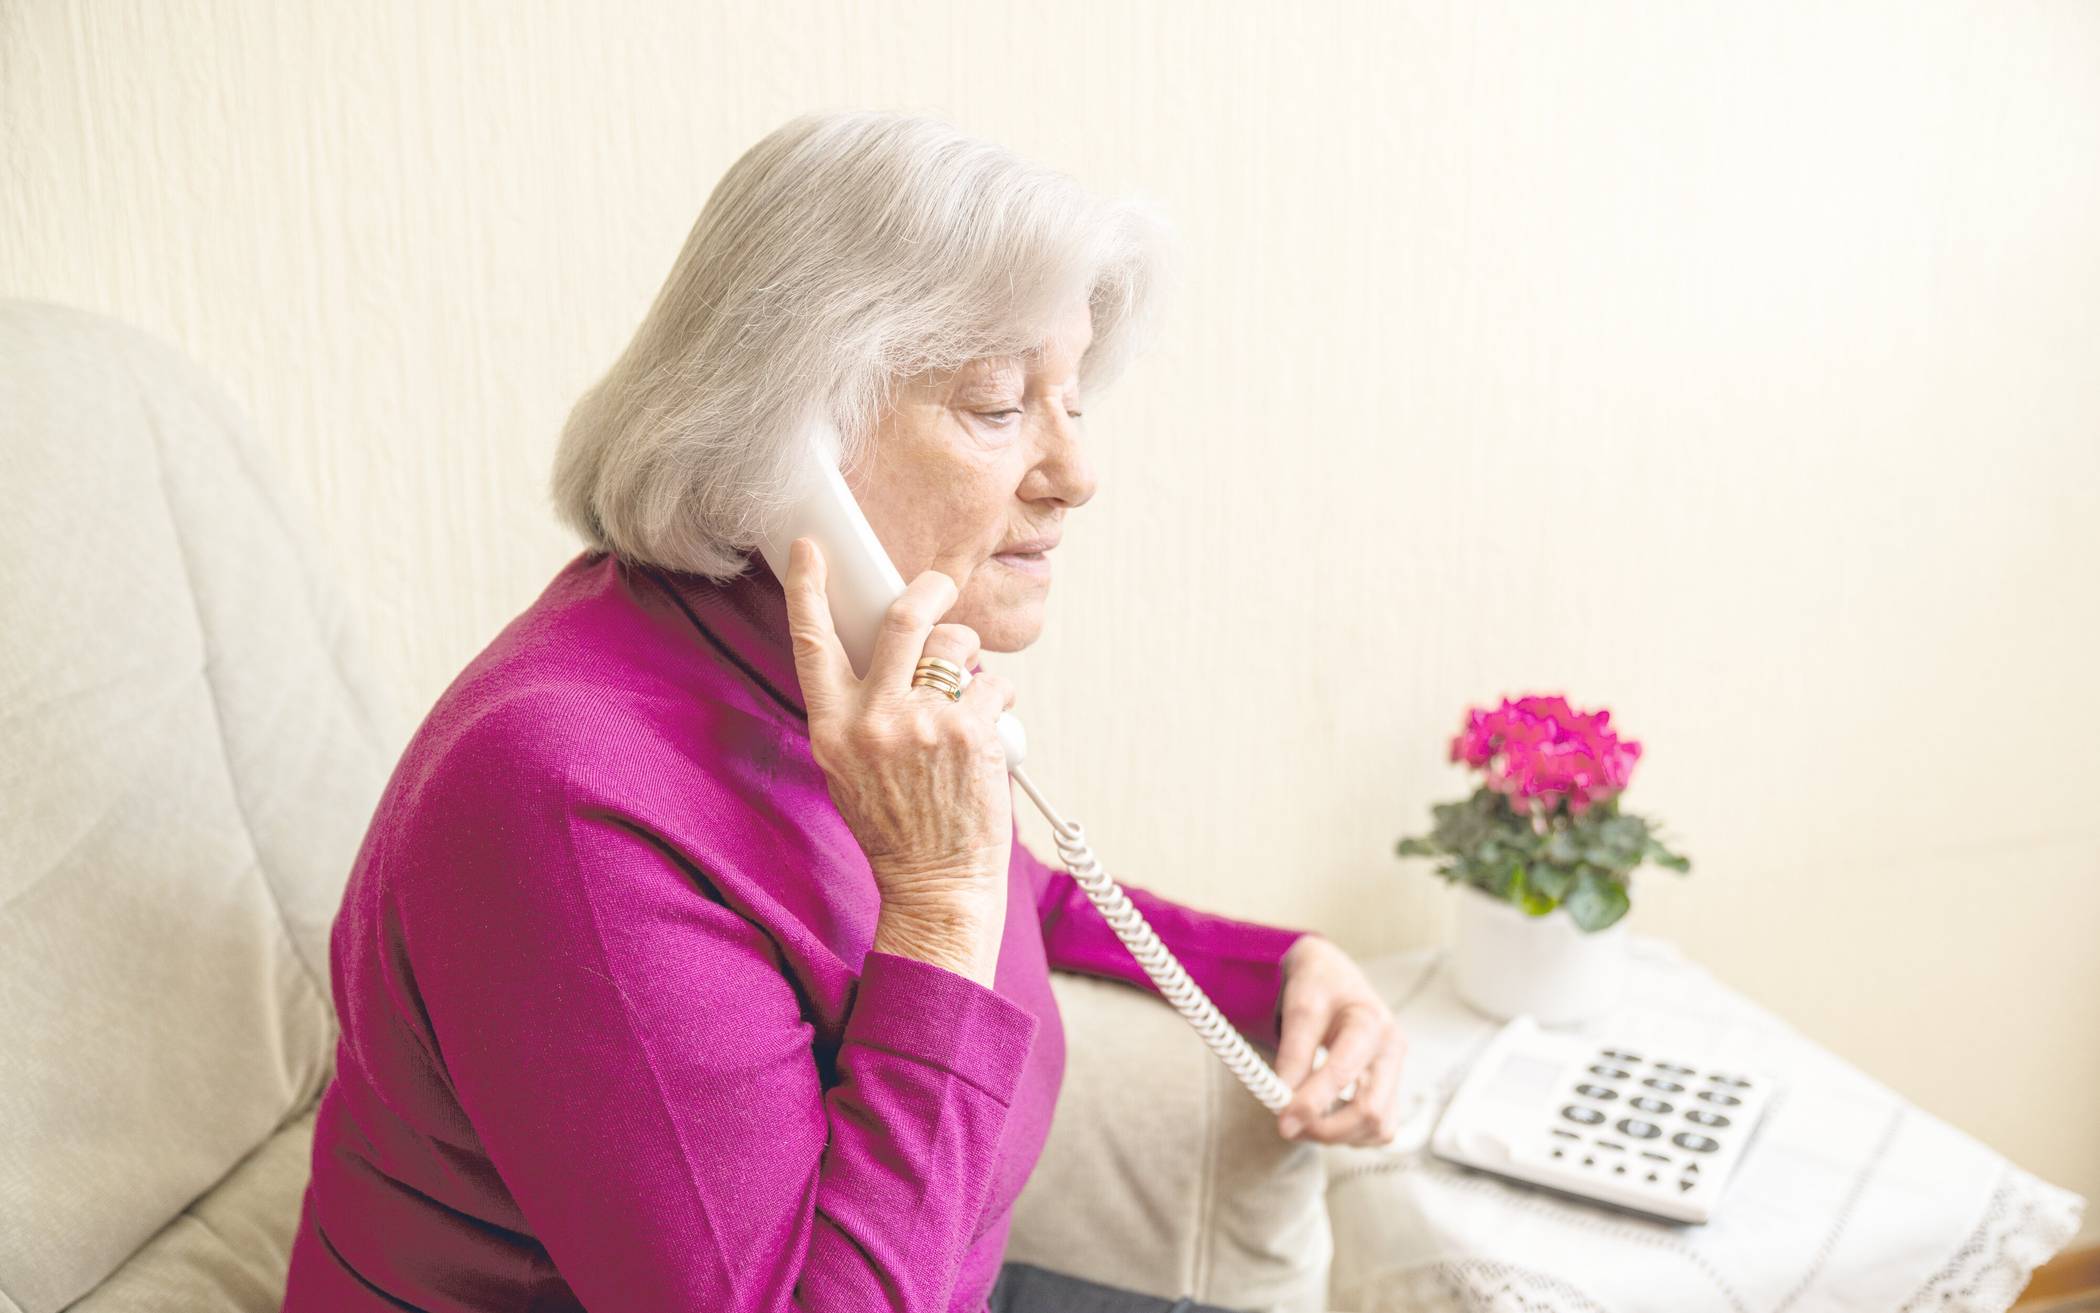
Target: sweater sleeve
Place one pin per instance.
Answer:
(636, 1063)
(1238, 963)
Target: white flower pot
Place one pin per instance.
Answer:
(1507, 963)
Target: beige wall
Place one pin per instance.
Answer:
(1733, 366)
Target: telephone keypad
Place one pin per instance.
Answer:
(1627, 1128)
(1664, 1078)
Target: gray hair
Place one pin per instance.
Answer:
(842, 254)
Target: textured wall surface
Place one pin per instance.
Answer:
(1733, 366)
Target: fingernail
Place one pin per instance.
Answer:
(1290, 1126)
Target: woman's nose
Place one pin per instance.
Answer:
(1064, 472)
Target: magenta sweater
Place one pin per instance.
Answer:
(612, 1035)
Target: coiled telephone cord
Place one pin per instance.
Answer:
(1167, 973)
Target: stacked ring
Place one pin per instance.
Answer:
(940, 674)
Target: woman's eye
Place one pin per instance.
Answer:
(997, 416)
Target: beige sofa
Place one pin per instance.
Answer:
(189, 749)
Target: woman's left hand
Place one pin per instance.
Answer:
(1327, 1000)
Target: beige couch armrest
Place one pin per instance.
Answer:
(1162, 1174)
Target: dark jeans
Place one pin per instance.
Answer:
(1023, 1288)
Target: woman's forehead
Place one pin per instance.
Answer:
(1012, 368)
(995, 369)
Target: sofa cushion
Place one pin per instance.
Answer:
(228, 1251)
(1162, 1174)
(188, 756)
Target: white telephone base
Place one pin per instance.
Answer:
(1656, 1133)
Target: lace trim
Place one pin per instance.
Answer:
(2026, 1222)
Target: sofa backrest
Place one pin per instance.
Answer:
(189, 754)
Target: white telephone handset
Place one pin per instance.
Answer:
(861, 582)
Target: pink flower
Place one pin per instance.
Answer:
(1538, 749)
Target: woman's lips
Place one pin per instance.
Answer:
(1037, 563)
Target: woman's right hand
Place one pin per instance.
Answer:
(920, 780)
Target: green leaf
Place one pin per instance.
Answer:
(1597, 901)
(1523, 895)
(1562, 849)
(1552, 881)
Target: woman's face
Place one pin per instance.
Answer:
(971, 474)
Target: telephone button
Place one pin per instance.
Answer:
(1666, 1086)
(1716, 1096)
(1596, 1091)
(1582, 1116)
(1696, 1143)
(1646, 1104)
(1701, 1117)
(1608, 1073)
(1639, 1129)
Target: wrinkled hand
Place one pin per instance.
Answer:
(1328, 1001)
(919, 779)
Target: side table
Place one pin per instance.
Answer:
(1850, 1200)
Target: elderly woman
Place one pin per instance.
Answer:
(683, 969)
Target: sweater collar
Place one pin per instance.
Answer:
(745, 619)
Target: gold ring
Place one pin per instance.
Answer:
(943, 664)
(937, 678)
(941, 675)
(954, 691)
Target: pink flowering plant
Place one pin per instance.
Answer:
(1544, 829)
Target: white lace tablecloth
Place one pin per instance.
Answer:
(1850, 1198)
